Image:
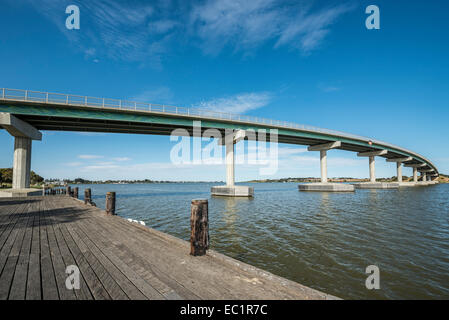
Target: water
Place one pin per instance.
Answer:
(321, 240)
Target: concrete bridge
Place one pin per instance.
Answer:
(23, 113)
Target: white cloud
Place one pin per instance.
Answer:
(162, 26)
(90, 52)
(239, 103)
(307, 29)
(246, 24)
(145, 32)
(89, 156)
(74, 164)
(286, 151)
(122, 159)
(99, 167)
(240, 23)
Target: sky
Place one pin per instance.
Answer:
(308, 62)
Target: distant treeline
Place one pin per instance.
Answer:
(334, 179)
(6, 176)
(85, 181)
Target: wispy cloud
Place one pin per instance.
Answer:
(239, 103)
(306, 29)
(89, 156)
(328, 88)
(158, 95)
(162, 26)
(145, 32)
(122, 159)
(247, 24)
(115, 29)
(99, 167)
(74, 164)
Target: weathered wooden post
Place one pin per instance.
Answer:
(75, 192)
(87, 196)
(110, 203)
(199, 225)
(68, 190)
(43, 190)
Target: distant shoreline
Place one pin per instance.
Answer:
(441, 179)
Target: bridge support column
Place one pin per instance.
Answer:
(399, 171)
(415, 174)
(22, 163)
(372, 169)
(324, 185)
(230, 189)
(23, 134)
(399, 162)
(373, 184)
(323, 164)
(230, 159)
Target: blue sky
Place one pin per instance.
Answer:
(309, 62)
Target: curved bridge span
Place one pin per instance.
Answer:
(24, 113)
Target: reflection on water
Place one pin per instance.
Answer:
(322, 240)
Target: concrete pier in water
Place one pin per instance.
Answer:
(230, 189)
(325, 186)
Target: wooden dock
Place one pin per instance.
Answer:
(117, 259)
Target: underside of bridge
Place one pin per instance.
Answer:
(54, 123)
(40, 116)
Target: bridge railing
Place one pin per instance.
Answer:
(86, 101)
(76, 100)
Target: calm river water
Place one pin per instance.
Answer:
(321, 240)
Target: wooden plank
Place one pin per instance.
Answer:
(130, 289)
(49, 287)
(18, 287)
(117, 259)
(33, 291)
(12, 219)
(143, 250)
(59, 266)
(56, 212)
(147, 289)
(6, 213)
(217, 288)
(8, 237)
(92, 280)
(136, 293)
(9, 269)
(124, 247)
(111, 286)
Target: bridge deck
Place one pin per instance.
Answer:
(41, 236)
